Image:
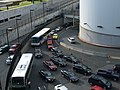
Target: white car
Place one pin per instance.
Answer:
(58, 29)
(71, 39)
(9, 59)
(60, 87)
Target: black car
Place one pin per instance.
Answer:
(71, 58)
(58, 61)
(4, 48)
(108, 74)
(38, 53)
(69, 75)
(116, 68)
(47, 75)
(81, 68)
(100, 81)
(58, 54)
(55, 49)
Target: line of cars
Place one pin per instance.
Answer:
(96, 79)
(100, 78)
(12, 50)
(61, 61)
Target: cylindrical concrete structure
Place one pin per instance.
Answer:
(100, 22)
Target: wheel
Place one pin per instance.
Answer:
(104, 88)
(62, 75)
(115, 79)
(85, 74)
(90, 83)
(70, 80)
(46, 80)
(59, 65)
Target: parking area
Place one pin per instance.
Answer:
(94, 62)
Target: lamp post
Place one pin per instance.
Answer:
(17, 29)
(44, 12)
(31, 18)
(8, 29)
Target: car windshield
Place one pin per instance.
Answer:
(104, 80)
(48, 74)
(71, 74)
(60, 60)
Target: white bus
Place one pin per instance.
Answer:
(20, 76)
(40, 37)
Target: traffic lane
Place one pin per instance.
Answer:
(3, 69)
(91, 61)
(37, 81)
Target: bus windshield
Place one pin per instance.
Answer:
(17, 81)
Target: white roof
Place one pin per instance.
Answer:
(60, 87)
(41, 32)
(22, 65)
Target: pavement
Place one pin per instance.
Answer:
(89, 49)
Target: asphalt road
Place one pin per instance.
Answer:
(94, 62)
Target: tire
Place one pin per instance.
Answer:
(46, 80)
(115, 79)
(59, 65)
(85, 74)
(91, 83)
(71, 81)
(104, 88)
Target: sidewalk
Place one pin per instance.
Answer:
(91, 49)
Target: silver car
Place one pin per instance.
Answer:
(9, 59)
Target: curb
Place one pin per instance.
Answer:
(88, 52)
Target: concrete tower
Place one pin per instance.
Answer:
(100, 22)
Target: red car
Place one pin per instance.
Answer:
(50, 65)
(49, 42)
(97, 88)
(13, 48)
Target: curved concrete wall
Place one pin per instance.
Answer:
(98, 22)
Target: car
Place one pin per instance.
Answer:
(67, 24)
(50, 46)
(83, 69)
(71, 58)
(58, 29)
(55, 36)
(60, 87)
(95, 87)
(108, 74)
(4, 48)
(52, 32)
(9, 59)
(38, 53)
(95, 79)
(47, 75)
(69, 75)
(116, 68)
(50, 65)
(58, 54)
(55, 49)
(13, 48)
(58, 61)
(71, 40)
(49, 42)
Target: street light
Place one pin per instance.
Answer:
(8, 29)
(31, 18)
(44, 12)
(17, 29)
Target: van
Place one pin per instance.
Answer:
(60, 87)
